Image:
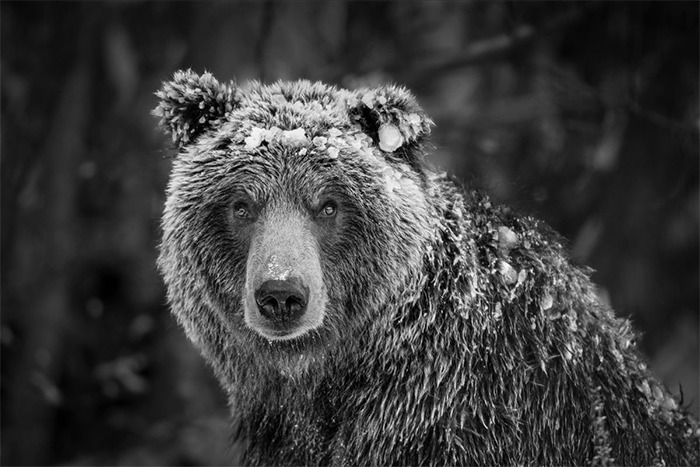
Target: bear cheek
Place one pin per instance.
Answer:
(284, 295)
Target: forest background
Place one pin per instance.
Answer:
(584, 114)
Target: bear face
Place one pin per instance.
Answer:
(295, 212)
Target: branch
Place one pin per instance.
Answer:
(495, 47)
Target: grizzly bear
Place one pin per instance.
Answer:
(360, 309)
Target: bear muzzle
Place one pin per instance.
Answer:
(285, 296)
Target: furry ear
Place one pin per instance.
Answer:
(391, 116)
(191, 105)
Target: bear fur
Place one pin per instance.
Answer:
(433, 326)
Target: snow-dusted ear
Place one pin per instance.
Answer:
(391, 116)
(191, 105)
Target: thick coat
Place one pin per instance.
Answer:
(360, 309)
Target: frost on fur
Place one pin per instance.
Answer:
(191, 104)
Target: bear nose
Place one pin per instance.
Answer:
(282, 300)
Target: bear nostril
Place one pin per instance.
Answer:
(293, 305)
(282, 300)
(268, 306)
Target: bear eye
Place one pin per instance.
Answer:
(329, 209)
(241, 211)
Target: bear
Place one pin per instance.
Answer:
(360, 308)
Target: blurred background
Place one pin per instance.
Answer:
(584, 114)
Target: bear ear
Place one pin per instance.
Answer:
(191, 104)
(391, 116)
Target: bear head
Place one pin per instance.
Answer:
(296, 212)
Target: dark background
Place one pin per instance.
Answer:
(582, 113)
